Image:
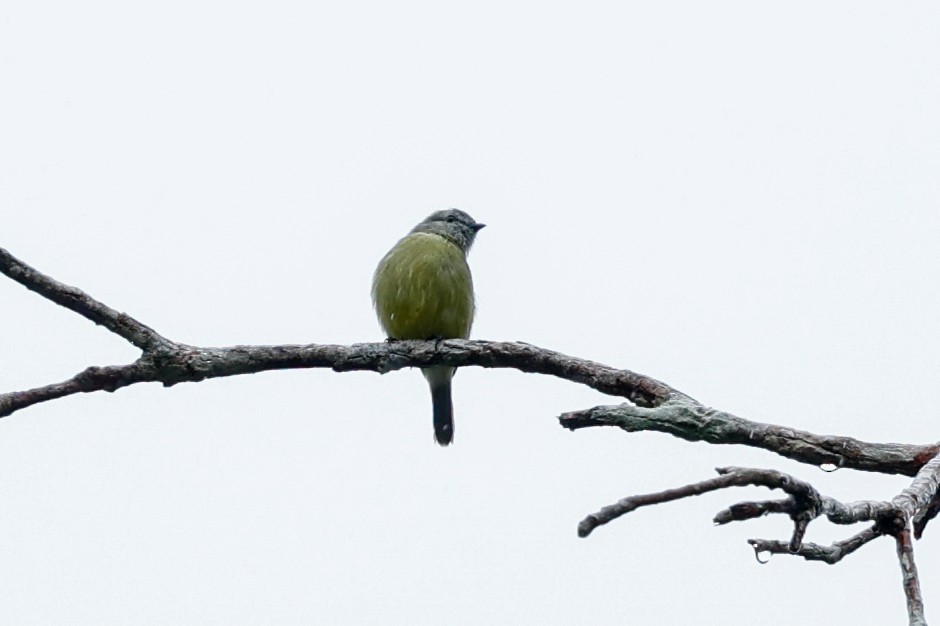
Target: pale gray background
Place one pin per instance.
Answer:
(738, 198)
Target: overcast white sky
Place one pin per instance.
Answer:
(738, 198)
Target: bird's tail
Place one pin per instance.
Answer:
(439, 379)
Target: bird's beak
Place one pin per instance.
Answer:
(477, 227)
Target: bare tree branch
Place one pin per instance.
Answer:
(171, 363)
(77, 300)
(814, 552)
(922, 490)
(804, 505)
(730, 477)
(909, 578)
(655, 407)
(687, 419)
(926, 514)
(91, 379)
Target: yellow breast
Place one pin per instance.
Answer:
(422, 289)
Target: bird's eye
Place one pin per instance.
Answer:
(451, 219)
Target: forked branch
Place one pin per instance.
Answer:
(652, 406)
(804, 504)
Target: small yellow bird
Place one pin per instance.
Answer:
(422, 289)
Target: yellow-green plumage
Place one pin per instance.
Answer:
(423, 290)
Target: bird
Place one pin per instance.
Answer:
(422, 289)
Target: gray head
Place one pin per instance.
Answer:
(452, 224)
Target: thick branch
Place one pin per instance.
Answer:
(656, 405)
(176, 363)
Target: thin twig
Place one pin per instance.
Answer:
(909, 578)
(814, 552)
(803, 505)
(91, 379)
(926, 514)
(750, 510)
(730, 477)
(80, 302)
